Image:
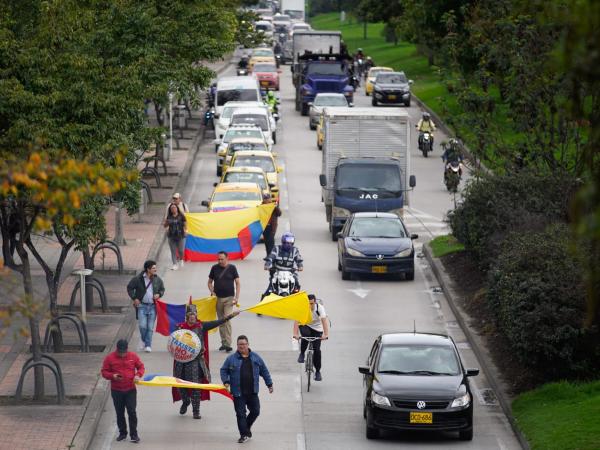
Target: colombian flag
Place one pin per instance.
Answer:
(235, 232)
(169, 315)
(166, 381)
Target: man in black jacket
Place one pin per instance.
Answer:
(144, 289)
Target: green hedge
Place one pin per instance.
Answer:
(537, 296)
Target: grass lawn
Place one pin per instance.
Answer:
(428, 85)
(444, 245)
(561, 416)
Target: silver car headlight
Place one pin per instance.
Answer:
(354, 252)
(379, 399)
(340, 212)
(462, 401)
(404, 253)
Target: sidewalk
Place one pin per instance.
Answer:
(52, 426)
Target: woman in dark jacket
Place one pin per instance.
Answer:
(195, 370)
(176, 231)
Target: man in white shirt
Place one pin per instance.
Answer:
(318, 327)
(178, 201)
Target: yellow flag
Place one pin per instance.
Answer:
(207, 310)
(293, 307)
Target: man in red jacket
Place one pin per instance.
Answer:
(123, 368)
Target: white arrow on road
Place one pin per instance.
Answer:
(359, 291)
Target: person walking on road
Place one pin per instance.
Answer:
(197, 369)
(123, 369)
(144, 289)
(240, 374)
(176, 226)
(271, 228)
(224, 283)
(318, 327)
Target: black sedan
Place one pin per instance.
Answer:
(377, 243)
(391, 87)
(416, 381)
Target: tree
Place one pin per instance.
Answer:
(37, 193)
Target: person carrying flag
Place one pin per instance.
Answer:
(196, 370)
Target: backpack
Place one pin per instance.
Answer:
(317, 303)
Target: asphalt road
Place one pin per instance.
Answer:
(330, 415)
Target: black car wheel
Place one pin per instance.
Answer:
(311, 126)
(410, 276)
(219, 171)
(339, 266)
(334, 232)
(373, 100)
(371, 433)
(304, 109)
(346, 275)
(274, 138)
(407, 103)
(466, 435)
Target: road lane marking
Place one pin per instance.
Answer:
(359, 291)
(300, 441)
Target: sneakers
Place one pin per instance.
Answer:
(122, 436)
(135, 438)
(301, 358)
(148, 349)
(228, 349)
(181, 263)
(318, 376)
(175, 267)
(197, 415)
(243, 439)
(222, 347)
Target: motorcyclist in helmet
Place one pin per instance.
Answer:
(243, 62)
(285, 257)
(368, 64)
(271, 102)
(452, 152)
(359, 54)
(425, 125)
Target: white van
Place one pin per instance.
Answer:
(236, 89)
(222, 123)
(255, 116)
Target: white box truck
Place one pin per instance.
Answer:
(366, 162)
(294, 8)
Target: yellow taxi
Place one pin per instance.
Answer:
(320, 132)
(247, 175)
(261, 55)
(373, 71)
(263, 159)
(228, 196)
(225, 154)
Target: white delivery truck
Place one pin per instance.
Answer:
(294, 8)
(366, 163)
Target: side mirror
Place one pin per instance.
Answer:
(309, 104)
(204, 202)
(216, 116)
(340, 235)
(412, 181)
(323, 180)
(410, 82)
(365, 370)
(472, 372)
(412, 236)
(279, 169)
(215, 184)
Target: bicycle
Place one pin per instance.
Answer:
(308, 359)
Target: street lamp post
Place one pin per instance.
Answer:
(168, 156)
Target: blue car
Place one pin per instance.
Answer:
(376, 243)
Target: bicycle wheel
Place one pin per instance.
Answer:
(309, 368)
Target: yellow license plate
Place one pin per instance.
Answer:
(392, 97)
(264, 83)
(379, 269)
(421, 417)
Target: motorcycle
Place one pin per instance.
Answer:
(209, 115)
(425, 142)
(452, 175)
(283, 283)
(354, 82)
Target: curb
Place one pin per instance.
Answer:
(476, 343)
(100, 394)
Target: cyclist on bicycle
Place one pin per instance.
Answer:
(318, 327)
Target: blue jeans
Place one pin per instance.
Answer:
(146, 319)
(240, 404)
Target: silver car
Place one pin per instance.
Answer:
(325, 100)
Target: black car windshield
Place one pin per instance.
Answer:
(265, 68)
(326, 69)
(264, 163)
(418, 360)
(254, 119)
(369, 177)
(376, 227)
(391, 78)
(237, 95)
(233, 133)
(330, 100)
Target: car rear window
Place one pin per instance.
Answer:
(264, 163)
(237, 195)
